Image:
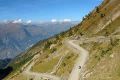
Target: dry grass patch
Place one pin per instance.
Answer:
(67, 65)
(45, 66)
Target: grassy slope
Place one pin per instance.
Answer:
(104, 57)
(45, 66)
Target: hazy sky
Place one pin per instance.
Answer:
(45, 10)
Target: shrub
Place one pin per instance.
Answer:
(102, 15)
(97, 9)
(64, 64)
(31, 79)
(53, 50)
(47, 45)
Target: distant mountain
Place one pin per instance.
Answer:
(4, 62)
(16, 37)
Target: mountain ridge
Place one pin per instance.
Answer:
(16, 37)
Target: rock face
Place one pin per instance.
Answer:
(17, 37)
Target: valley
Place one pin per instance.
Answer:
(18, 37)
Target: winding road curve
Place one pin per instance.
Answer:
(77, 69)
(80, 62)
(38, 76)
